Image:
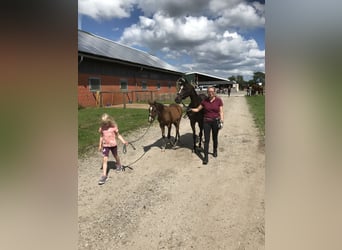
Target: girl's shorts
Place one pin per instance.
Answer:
(105, 150)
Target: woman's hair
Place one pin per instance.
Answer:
(107, 120)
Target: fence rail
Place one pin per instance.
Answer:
(111, 98)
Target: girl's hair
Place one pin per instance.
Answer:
(107, 121)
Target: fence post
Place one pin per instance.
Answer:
(97, 99)
(124, 100)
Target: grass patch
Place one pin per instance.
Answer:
(257, 107)
(89, 123)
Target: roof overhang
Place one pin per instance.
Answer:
(206, 79)
(127, 63)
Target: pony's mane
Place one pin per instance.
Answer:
(184, 81)
(159, 105)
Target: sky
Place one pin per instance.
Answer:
(223, 38)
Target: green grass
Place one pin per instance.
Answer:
(89, 123)
(257, 108)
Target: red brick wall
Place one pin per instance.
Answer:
(86, 98)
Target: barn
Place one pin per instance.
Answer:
(203, 80)
(110, 73)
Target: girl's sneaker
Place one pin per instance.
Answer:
(118, 168)
(102, 179)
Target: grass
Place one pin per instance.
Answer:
(257, 108)
(127, 120)
(89, 122)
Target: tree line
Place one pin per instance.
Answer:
(257, 78)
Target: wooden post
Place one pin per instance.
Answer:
(97, 99)
(124, 100)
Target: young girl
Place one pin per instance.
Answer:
(109, 131)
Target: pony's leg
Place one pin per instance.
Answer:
(200, 134)
(163, 136)
(177, 136)
(177, 131)
(193, 136)
(169, 131)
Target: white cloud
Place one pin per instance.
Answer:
(174, 8)
(160, 31)
(243, 16)
(105, 9)
(216, 6)
(206, 31)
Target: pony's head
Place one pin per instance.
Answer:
(152, 111)
(184, 89)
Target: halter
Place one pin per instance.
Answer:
(151, 118)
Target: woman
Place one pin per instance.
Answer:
(213, 110)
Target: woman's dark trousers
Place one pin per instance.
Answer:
(208, 127)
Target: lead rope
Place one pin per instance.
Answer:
(131, 143)
(125, 147)
(186, 110)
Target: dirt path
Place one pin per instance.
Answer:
(169, 200)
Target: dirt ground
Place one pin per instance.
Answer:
(169, 200)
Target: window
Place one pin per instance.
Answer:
(143, 85)
(94, 84)
(123, 85)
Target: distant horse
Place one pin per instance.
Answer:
(167, 115)
(257, 89)
(188, 90)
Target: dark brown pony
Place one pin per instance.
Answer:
(188, 90)
(257, 89)
(167, 115)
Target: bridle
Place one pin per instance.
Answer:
(184, 105)
(153, 112)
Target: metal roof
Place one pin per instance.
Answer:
(207, 76)
(96, 45)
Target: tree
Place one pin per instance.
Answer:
(259, 77)
(239, 79)
(232, 78)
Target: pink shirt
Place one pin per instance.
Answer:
(109, 136)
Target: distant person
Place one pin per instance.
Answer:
(249, 88)
(229, 89)
(213, 112)
(109, 132)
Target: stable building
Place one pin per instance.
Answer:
(203, 81)
(110, 73)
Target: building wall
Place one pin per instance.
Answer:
(112, 74)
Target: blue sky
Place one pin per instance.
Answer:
(216, 37)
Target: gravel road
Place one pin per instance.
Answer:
(169, 200)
